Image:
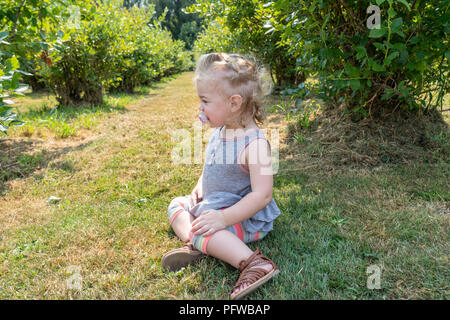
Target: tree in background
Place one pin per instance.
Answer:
(246, 22)
(182, 26)
(110, 48)
(403, 63)
(216, 37)
(24, 35)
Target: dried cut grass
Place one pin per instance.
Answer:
(402, 137)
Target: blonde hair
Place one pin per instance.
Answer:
(242, 76)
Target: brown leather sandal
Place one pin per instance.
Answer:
(176, 259)
(256, 277)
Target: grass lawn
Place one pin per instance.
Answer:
(112, 168)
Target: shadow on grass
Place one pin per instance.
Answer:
(20, 159)
(336, 224)
(46, 112)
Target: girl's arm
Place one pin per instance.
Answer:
(197, 192)
(259, 162)
(200, 179)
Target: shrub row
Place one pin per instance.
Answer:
(80, 49)
(112, 48)
(367, 55)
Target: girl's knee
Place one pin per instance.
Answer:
(178, 201)
(176, 206)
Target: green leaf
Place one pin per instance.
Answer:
(415, 40)
(16, 123)
(399, 46)
(403, 89)
(405, 3)
(43, 45)
(403, 56)
(4, 35)
(355, 84)
(388, 44)
(377, 33)
(379, 46)
(447, 55)
(351, 70)
(393, 55)
(375, 66)
(379, 2)
(400, 33)
(12, 63)
(24, 72)
(298, 102)
(43, 12)
(388, 93)
(421, 66)
(361, 52)
(3, 128)
(15, 80)
(396, 23)
(391, 12)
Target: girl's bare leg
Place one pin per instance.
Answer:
(182, 225)
(226, 246)
(223, 245)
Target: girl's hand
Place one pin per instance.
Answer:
(208, 222)
(196, 195)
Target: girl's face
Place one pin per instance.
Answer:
(216, 107)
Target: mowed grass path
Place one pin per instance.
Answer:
(111, 225)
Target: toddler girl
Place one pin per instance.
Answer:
(232, 203)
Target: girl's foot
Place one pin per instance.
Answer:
(255, 271)
(267, 268)
(178, 258)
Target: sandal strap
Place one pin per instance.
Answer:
(256, 258)
(189, 245)
(249, 272)
(244, 263)
(250, 276)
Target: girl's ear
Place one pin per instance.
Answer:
(236, 102)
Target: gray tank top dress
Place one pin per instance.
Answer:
(225, 181)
